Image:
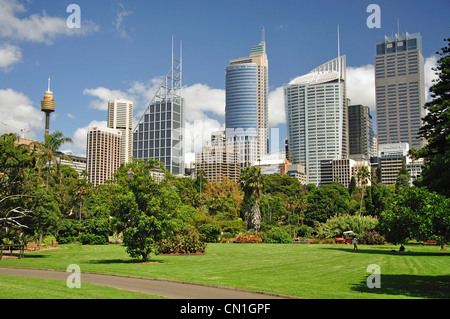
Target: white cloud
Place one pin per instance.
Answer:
(9, 55)
(17, 111)
(201, 98)
(40, 28)
(361, 85)
(103, 96)
(277, 113)
(118, 22)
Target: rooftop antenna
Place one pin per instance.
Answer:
(263, 35)
(398, 26)
(48, 90)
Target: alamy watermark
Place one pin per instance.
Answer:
(74, 20)
(74, 279)
(374, 19)
(374, 280)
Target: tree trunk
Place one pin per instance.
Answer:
(256, 217)
(443, 245)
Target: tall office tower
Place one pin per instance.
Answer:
(400, 89)
(360, 132)
(160, 131)
(102, 154)
(48, 107)
(316, 117)
(246, 110)
(120, 117)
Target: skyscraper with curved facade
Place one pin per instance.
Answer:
(316, 117)
(246, 111)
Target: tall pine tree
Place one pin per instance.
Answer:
(436, 130)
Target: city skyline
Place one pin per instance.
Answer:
(84, 68)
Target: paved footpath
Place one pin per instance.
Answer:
(161, 287)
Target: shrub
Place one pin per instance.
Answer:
(92, 239)
(187, 241)
(246, 239)
(278, 236)
(371, 238)
(210, 233)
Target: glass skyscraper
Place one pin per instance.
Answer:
(316, 117)
(246, 110)
(400, 89)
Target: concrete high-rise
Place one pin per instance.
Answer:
(120, 117)
(102, 154)
(246, 110)
(360, 132)
(316, 117)
(400, 89)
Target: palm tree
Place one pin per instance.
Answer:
(251, 184)
(363, 178)
(49, 149)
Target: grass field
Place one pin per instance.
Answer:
(308, 271)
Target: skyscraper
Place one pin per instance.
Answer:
(120, 117)
(160, 132)
(102, 154)
(246, 110)
(400, 89)
(360, 132)
(316, 117)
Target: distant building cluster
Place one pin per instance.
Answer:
(328, 140)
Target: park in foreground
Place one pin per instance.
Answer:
(315, 271)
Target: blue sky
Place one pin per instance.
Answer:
(123, 48)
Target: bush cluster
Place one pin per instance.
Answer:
(278, 235)
(187, 241)
(371, 238)
(246, 239)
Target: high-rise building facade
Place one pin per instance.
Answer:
(102, 154)
(360, 132)
(159, 134)
(246, 110)
(218, 160)
(120, 117)
(400, 89)
(316, 117)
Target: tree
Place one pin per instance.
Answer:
(363, 178)
(49, 149)
(251, 184)
(403, 179)
(418, 213)
(436, 130)
(223, 197)
(146, 211)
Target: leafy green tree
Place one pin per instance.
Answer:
(403, 179)
(417, 213)
(325, 202)
(17, 182)
(251, 183)
(47, 217)
(436, 130)
(146, 212)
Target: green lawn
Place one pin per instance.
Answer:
(12, 287)
(309, 271)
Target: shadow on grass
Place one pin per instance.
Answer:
(123, 261)
(412, 286)
(385, 251)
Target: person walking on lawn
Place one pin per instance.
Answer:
(355, 241)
